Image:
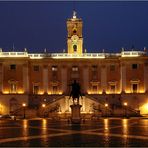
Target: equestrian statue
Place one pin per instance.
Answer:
(75, 92)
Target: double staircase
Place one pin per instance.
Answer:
(116, 109)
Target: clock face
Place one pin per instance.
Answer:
(74, 38)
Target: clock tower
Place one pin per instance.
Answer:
(74, 37)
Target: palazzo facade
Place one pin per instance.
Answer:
(36, 78)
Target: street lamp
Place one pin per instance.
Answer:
(43, 105)
(24, 109)
(125, 108)
(106, 106)
(125, 103)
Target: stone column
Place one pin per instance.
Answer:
(25, 78)
(1, 77)
(45, 79)
(123, 77)
(103, 78)
(146, 77)
(64, 79)
(85, 77)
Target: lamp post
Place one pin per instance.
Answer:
(106, 106)
(125, 108)
(43, 105)
(24, 109)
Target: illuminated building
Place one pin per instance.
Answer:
(111, 78)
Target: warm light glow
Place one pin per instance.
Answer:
(118, 92)
(1, 107)
(49, 92)
(106, 105)
(25, 128)
(128, 91)
(141, 91)
(60, 93)
(44, 123)
(20, 92)
(107, 92)
(60, 112)
(144, 108)
(41, 92)
(67, 55)
(132, 53)
(125, 103)
(91, 92)
(5, 92)
(100, 92)
(24, 104)
(25, 123)
(78, 56)
(106, 124)
(90, 112)
(43, 105)
(124, 122)
(125, 126)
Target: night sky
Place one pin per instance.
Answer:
(106, 25)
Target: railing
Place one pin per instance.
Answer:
(84, 55)
(74, 55)
(132, 53)
(18, 110)
(13, 54)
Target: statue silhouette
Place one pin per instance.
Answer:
(75, 92)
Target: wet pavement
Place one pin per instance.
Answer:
(131, 132)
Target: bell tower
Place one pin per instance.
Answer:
(74, 37)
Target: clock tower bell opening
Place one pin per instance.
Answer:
(74, 35)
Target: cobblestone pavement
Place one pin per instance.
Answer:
(100, 133)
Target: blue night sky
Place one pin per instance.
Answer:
(106, 25)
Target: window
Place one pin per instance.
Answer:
(12, 66)
(35, 89)
(112, 67)
(94, 72)
(134, 66)
(36, 68)
(94, 88)
(74, 31)
(94, 76)
(75, 47)
(13, 88)
(135, 88)
(54, 68)
(94, 68)
(54, 89)
(75, 68)
(54, 72)
(54, 76)
(112, 88)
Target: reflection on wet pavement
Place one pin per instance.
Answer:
(104, 132)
